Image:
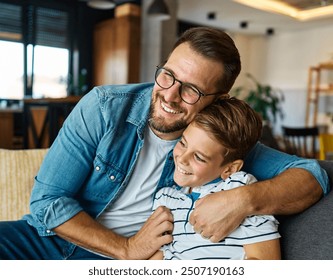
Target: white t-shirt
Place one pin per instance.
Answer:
(129, 212)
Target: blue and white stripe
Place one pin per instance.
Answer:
(189, 245)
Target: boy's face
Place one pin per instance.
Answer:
(198, 158)
(169, 113)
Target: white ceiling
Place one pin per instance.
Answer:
(229, 14)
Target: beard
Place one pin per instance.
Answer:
(159, 123)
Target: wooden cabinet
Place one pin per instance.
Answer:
(8, 139)
(117, 47)
(6, 129)
(320, 83)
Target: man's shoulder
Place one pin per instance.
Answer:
(124, 90)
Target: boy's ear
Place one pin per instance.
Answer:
(231, 168)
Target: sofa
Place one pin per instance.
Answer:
(17, 171)
(308, 235)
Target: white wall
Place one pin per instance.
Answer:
(158, 38)
(283, 61)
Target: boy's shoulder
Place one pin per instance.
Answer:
(237, 179)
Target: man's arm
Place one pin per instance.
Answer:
(87, 233)
(292, 191)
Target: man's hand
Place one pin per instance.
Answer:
(216, 215)
(155, 233)
(90, 234)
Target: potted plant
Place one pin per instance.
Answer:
(263, 99)
(266, 101)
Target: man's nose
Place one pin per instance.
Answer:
(172, 94)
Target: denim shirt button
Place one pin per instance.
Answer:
(112, 177)
(97, 168)
(48, 231)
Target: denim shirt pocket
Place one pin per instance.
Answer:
(104, 182)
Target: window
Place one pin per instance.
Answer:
(35, 49)
(11, 70)
(11, 52)
(50, 72)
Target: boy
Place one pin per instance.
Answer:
(208, 159)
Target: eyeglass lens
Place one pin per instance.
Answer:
(165, 79)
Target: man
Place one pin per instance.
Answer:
(96, 184)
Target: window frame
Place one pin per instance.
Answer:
(28, 36)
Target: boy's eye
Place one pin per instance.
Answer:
(181, 143)
(198, 158)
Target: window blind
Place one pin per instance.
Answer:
(42, 26)
(10, 22)
(51, 28)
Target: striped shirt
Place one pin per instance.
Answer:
(187, 244)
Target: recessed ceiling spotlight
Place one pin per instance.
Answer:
(243, 24)
(270, 31)
(211, 15)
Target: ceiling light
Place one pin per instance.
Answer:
(243, 24)
(282, 8)
(158, 9)
(211, 16)
(101, 4)
(270, 31)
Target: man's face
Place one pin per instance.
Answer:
(169, 114)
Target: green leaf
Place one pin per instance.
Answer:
(263, 99)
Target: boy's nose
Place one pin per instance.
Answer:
(183, 158)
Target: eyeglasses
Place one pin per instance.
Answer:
(187, 92)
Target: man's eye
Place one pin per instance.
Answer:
(168, 75)
(190, 91)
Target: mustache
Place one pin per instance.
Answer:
(174, 105)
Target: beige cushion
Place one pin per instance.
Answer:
(17, 171)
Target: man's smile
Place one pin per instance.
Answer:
(168, 109)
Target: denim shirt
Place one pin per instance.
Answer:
(89, 164)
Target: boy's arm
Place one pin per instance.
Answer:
(266, 250)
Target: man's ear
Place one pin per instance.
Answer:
(231, 168)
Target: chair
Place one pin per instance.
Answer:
(301, 141)
(326, 146)
(43, 119)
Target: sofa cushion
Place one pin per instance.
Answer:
(309, 235)
(17, 170)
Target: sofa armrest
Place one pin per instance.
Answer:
(309, 235)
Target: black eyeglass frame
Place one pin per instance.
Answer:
(200, 93)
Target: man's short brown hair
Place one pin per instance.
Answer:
(215, 44)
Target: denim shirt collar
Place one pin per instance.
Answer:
(139, 112)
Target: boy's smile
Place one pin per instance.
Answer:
(198, 158)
